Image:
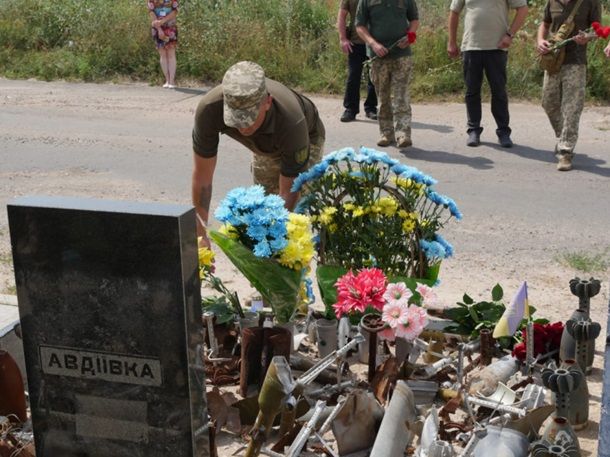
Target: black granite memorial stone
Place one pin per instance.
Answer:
(109, 303)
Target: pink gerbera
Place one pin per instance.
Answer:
(397, 293)
(412, 326)
(394, 313)
(428, 296)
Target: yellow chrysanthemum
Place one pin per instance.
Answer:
(409, 184)
(409, 222)
(206, 260)
(332, 228)
(387, 206)
(300, 248)
(359, 211)
(206, 257)
(348, 206)
(326, 216)
(229, 230)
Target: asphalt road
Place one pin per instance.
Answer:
(133, 141)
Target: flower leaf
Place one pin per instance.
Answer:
(497, 293)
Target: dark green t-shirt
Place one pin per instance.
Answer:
(556, 12)
(291, 125)
(387, 21)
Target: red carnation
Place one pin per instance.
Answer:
(519, 351)
(605, 32)
(554, 332)
(411, 37)
(595, 25)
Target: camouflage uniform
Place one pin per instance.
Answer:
(266, 168)
(563, 93)
(392, 78)
(387, 21)
(563, 99)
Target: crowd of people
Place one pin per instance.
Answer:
(283, 128)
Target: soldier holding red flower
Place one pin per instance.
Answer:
(388, 27)
(563, 92)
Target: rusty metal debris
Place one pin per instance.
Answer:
(435, 396)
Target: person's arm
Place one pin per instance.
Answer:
(595, 15)
(542, 44)
(203, 175)
(607, 50)
(413, 26)
(346, 44)
(379, 49)
(518, 21)
(289, 197)
(170, 17)
(452, 25)
(151, 14)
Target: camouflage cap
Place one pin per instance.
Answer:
(243, 88)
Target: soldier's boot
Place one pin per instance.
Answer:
(385, 139)
(564, 162)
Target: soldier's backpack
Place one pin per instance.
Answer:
(552, 61)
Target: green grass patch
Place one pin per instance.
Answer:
(294, 40)
(586, 262)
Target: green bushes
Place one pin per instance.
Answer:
(294, 40)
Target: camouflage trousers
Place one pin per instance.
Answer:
(392, 78)
(266, 167)
(563, 99)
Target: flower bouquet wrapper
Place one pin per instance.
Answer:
(278, 285)
(327, 276)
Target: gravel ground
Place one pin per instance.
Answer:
(132, 142)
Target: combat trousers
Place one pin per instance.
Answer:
(266, 167)
(351, 101)
(563, 99)
(492, 63)
(392, 78)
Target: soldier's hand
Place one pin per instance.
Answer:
(203, 241)
(379, 49)
(346, 46)
(607, 51)
(452, 50)
(403, 43)
(581, 38)
(544, 47)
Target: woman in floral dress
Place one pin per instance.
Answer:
(165, 35)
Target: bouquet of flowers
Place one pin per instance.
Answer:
(402, 310)
(270, 246)
(369, 210)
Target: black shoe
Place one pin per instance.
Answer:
(348, 116)
(474, 139)
(505, 141)
(371, 115)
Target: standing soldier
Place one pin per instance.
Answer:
(281, 127)
(381, 23)
(563, 92)
(354, 47)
